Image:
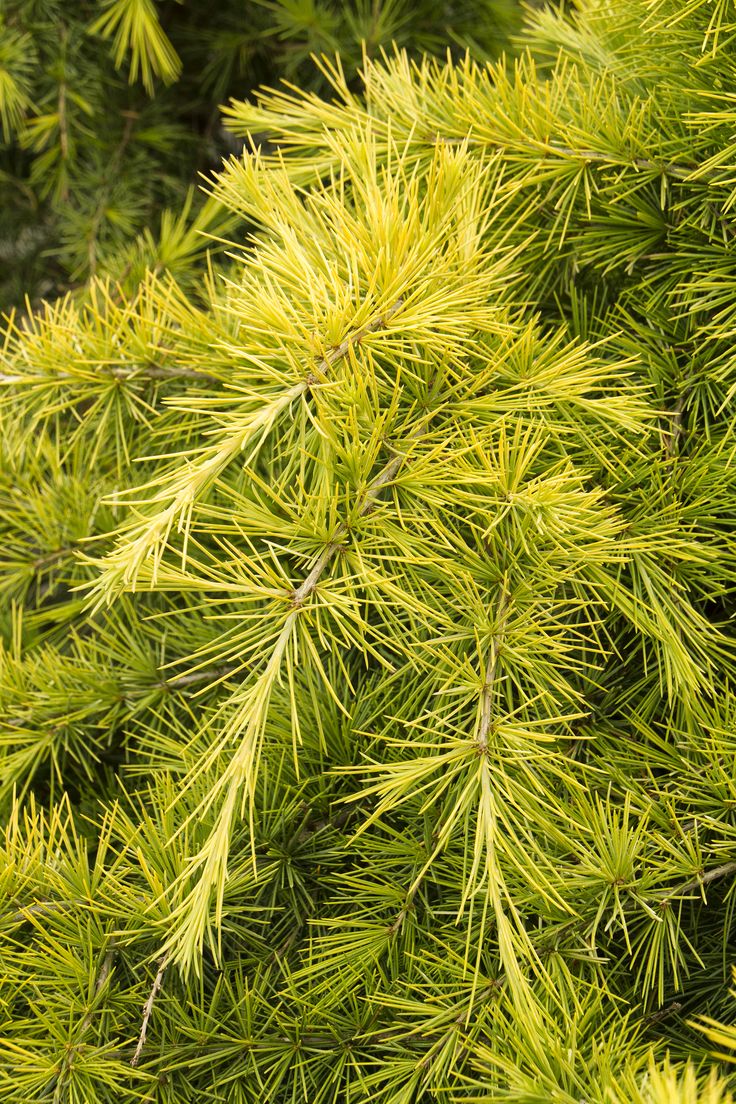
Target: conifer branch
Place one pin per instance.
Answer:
(42, 908)
(112, 169)
(454, 532)
(162, 372)
(47, 559)
(211, 862)
(142, 372)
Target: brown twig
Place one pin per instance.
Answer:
(41, 908)
(703, 879)
(662, 1013)
(148, 1008)
(59, 1079)
(486, 701)
(353, 339)
(676, 429)
(160, 371)
(369, 503)
(641, 164)
(193, 677)
(101, 979)
(141, 372)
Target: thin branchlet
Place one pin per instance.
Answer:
(489, 680)
(148, 1009)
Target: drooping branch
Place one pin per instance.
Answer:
(250, 721)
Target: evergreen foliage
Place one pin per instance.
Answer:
(367, 730)
(108, 111)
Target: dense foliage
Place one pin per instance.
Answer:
(109, 110)
(367, 731)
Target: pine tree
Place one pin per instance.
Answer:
(108, 113)
(367, 727)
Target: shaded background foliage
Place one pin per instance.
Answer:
(109, 110)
